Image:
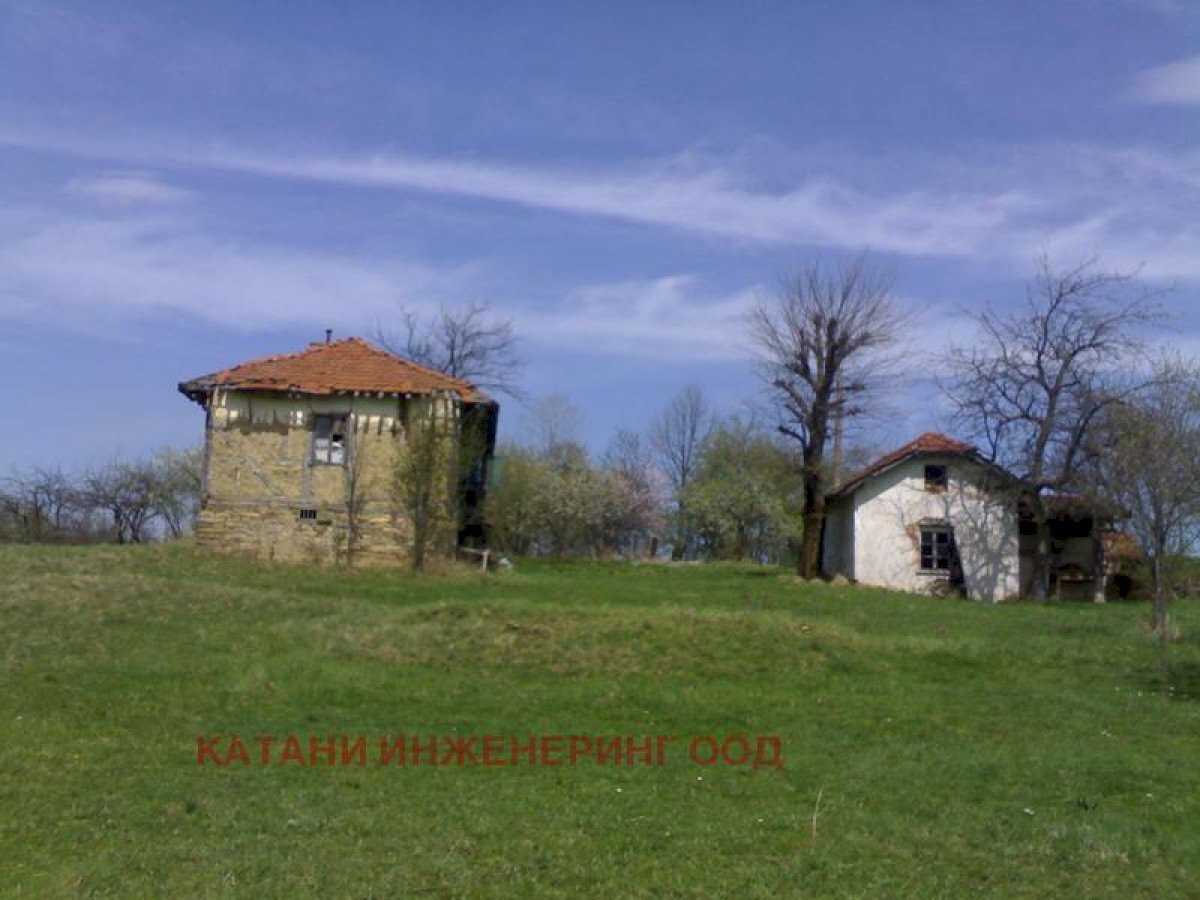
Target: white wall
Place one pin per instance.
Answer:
(889, 508)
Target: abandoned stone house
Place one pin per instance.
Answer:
(935, 516)
(301, 453)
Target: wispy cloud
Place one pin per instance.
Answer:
(142, 253)
(672, 317)
(127, 187)
(1176, 83)
(680, 193)
(93, 273)
(1131, 205)
(679, 318)
(101, 274)
(710, 200)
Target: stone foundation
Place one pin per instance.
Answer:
(276, 532)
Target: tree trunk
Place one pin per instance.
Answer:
(810, 546)
(809, 563)
(679, 550)
(741, 544)
(417, 561)
(1161, 618)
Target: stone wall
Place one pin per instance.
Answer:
(266, 498)
(275, 531)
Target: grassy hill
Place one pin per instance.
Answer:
(931, 747)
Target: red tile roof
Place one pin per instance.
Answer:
(336, 367)
(930, 442)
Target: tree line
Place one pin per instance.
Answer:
(123, 501)
(1061, 386)
(695, 485)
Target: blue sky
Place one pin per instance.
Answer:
(184, 187)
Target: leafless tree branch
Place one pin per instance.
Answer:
(827, 347)
(467, 342)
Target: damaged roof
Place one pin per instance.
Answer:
(335, 367)
(1060, 505)
(929, 443)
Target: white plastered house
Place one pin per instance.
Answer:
(935, 516)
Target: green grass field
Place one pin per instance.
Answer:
(957, 749)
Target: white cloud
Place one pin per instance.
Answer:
(1130, 205)
(103, 274)
(711, 200)
(677, 193)
(147, 256)
(127, 187)
(672, 317)
(677, 318)
(91, 273)
(1175, 83)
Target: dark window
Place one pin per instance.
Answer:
(935, 548)
(1062, 528)
(935, 478)
(308, 514)
(329, 440)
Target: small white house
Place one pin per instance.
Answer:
(935, 516)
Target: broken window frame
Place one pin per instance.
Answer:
(330, 439)
(937, 477)
(937, 556)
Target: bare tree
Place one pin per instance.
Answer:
(677, 435)
(827, 342)
(178, 474)
(1032, 387)
(128, 492)
(554, 421)
(634, 496)
(628, 454)
(1149, 465)
(41, 505)
(10, 513)
(468, 342)
(44, 505)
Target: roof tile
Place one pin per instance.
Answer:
(351, 364)
(929, 442)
